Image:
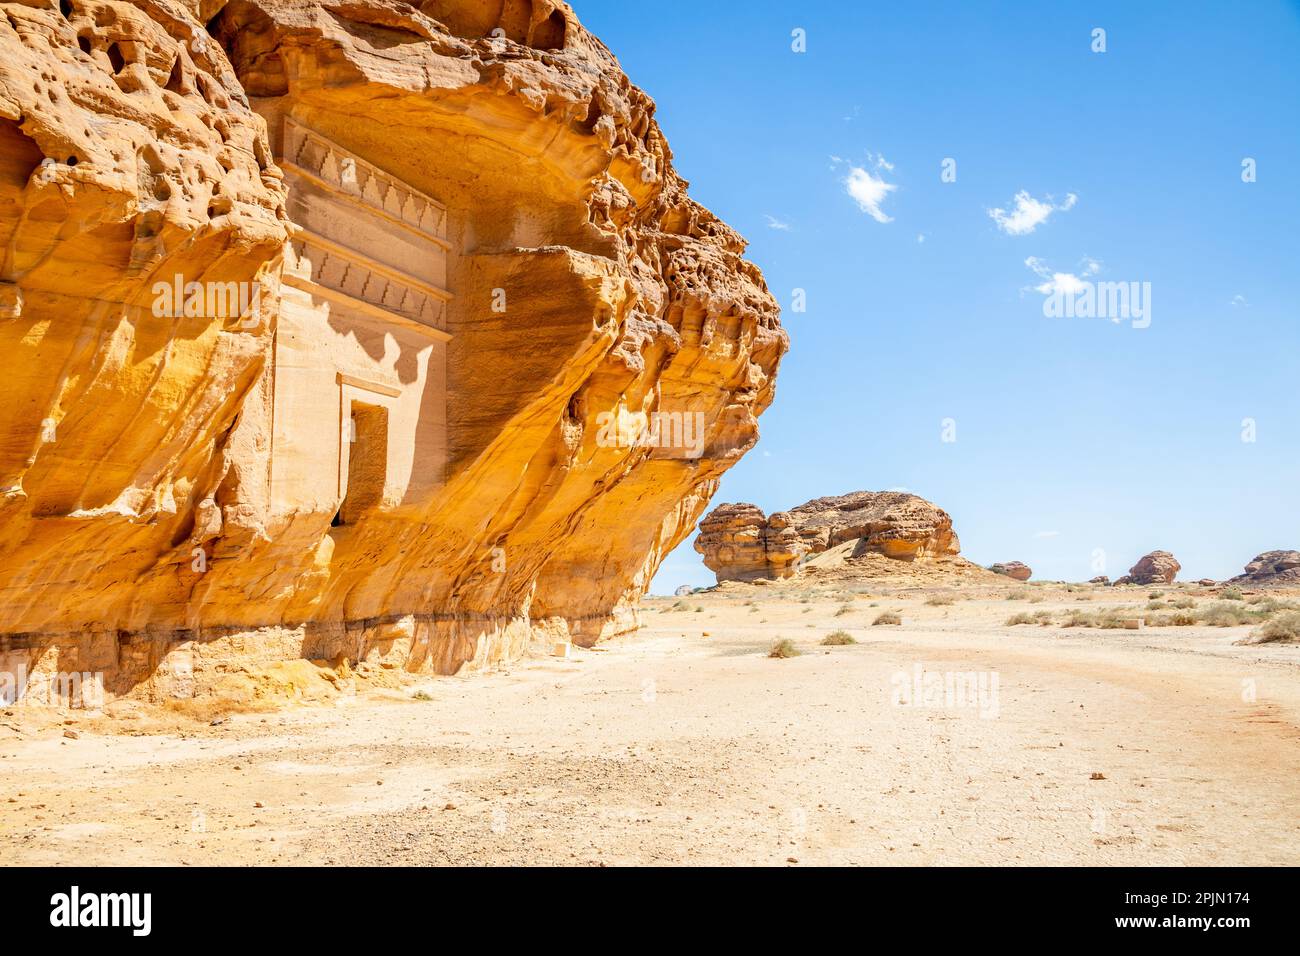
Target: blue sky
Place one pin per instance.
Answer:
(1072, 434)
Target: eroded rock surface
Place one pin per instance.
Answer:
(1272, 567)
(1158, 567)
(739, 543)
(500, 360)
(1013, 569)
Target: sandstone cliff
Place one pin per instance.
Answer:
(740, 544)
(482, 288)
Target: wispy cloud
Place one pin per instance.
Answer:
(1029, 213)
(1046, 534)
(920, 237)
(867, 187)
(774, 223)
(1066, 283)
(1238, 300)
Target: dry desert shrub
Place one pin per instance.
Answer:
(938, 600)
(782, 648)
(1227, 614)
(1020, 594)
(838, 639)
(1038, 617)
(889, 617)
(1284, 627)
(842, 610)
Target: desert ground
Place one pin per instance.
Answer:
(686, 743)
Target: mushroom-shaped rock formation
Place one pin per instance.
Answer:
(1158, 567)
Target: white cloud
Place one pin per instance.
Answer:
(1046, 534)
(774, 223)
(868, 191)
(1066, 283)
(1238, 300)
(1029, 213)
(920, 237)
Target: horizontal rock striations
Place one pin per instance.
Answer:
(740, 544)
(485, 365)
(1272, 567)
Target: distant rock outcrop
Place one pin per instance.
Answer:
(1158, 567)
(740, 544)
(1272, 567)
(1013, 569)
(1099, 579)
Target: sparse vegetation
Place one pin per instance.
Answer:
(680, 606)
(1024, 617)
(838, 639)
(939, 600)
(888, 617)
(1284, 627)
(1020, 594)
(1110, 619)
(842, 610)
(783, 647)
(1231, 594)
(1228, 614)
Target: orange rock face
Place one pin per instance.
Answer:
(479, 364)
(740, 544)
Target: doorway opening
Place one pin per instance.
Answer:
(367, 437)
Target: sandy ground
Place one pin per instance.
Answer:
(686, 743)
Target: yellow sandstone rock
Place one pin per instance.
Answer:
(365, 331)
